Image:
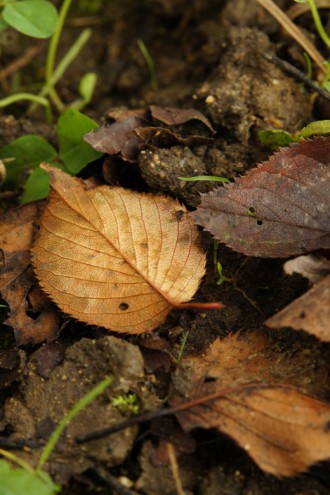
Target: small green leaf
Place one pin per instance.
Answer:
(317, 128)
(87, 86)
(275, 138)
(21, 482)
(27, 152)
(36, 187)
(36, 18)
(74, 151)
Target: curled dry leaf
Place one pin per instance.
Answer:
(310, 312)
(254, 392)
(279, 209)
(17, 280)
(312, 267)
(115, 258)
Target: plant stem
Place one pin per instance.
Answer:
(84, 401)
(318, 23)
(55, 40)
(150, 64)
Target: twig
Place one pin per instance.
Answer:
(175, 468)
(20, 62)
(294, 31)
(297, 73)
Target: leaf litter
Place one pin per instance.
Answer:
(17, 281)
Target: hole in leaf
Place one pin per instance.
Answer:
(179, 215)
(259, 222)
(251, 210)
(123, 306)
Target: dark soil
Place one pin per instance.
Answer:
(208, 56)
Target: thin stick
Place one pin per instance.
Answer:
(175, 468)
(297, 73)
(294, 31)
(20, 62)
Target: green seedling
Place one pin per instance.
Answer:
(24, 155)
(150, 64)
(276, 138)
(35, 481)
(222, 278)
(127, 403)
(48, 94)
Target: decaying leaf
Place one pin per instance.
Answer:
(278, 209)
(133, 129)
(17, 280)
(115, 258)
(310, 312)
(312, 267)
(258, 395)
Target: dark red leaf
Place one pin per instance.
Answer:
(278, 209)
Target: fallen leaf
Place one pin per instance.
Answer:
(278, 209)
(250, 389)
(176, 116)
(312, 267)
(115, 258)
(17, 280)
(310, 312)
(134, 129)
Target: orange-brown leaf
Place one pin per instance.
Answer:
(115, 258)
(259, 398)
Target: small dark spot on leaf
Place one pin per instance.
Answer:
(115, 286)
(251, 210)
(259, 222)
(179, 215)
(123, 306)
(209, 379)
(302, 314)
(144, 245)
(327, 426)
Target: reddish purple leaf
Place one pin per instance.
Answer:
(278, 209)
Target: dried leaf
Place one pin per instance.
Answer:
(127, 135)
(310, 312)
(115, 258)
(257, 394)
(312, 267)
(17, 278)
(279, 209)
(177, 116)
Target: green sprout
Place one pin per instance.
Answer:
(35, 481)
(127, 403)
(53, 75)
(222, 278)
(150, 64)
(214, 178)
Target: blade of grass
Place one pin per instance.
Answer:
(84, 401)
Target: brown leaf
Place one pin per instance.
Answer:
(310, 312)
(115, 258)
(127, 135)
(17, 278)
(177, 116)
(118, 137)
(245, 386)
(279, 209)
